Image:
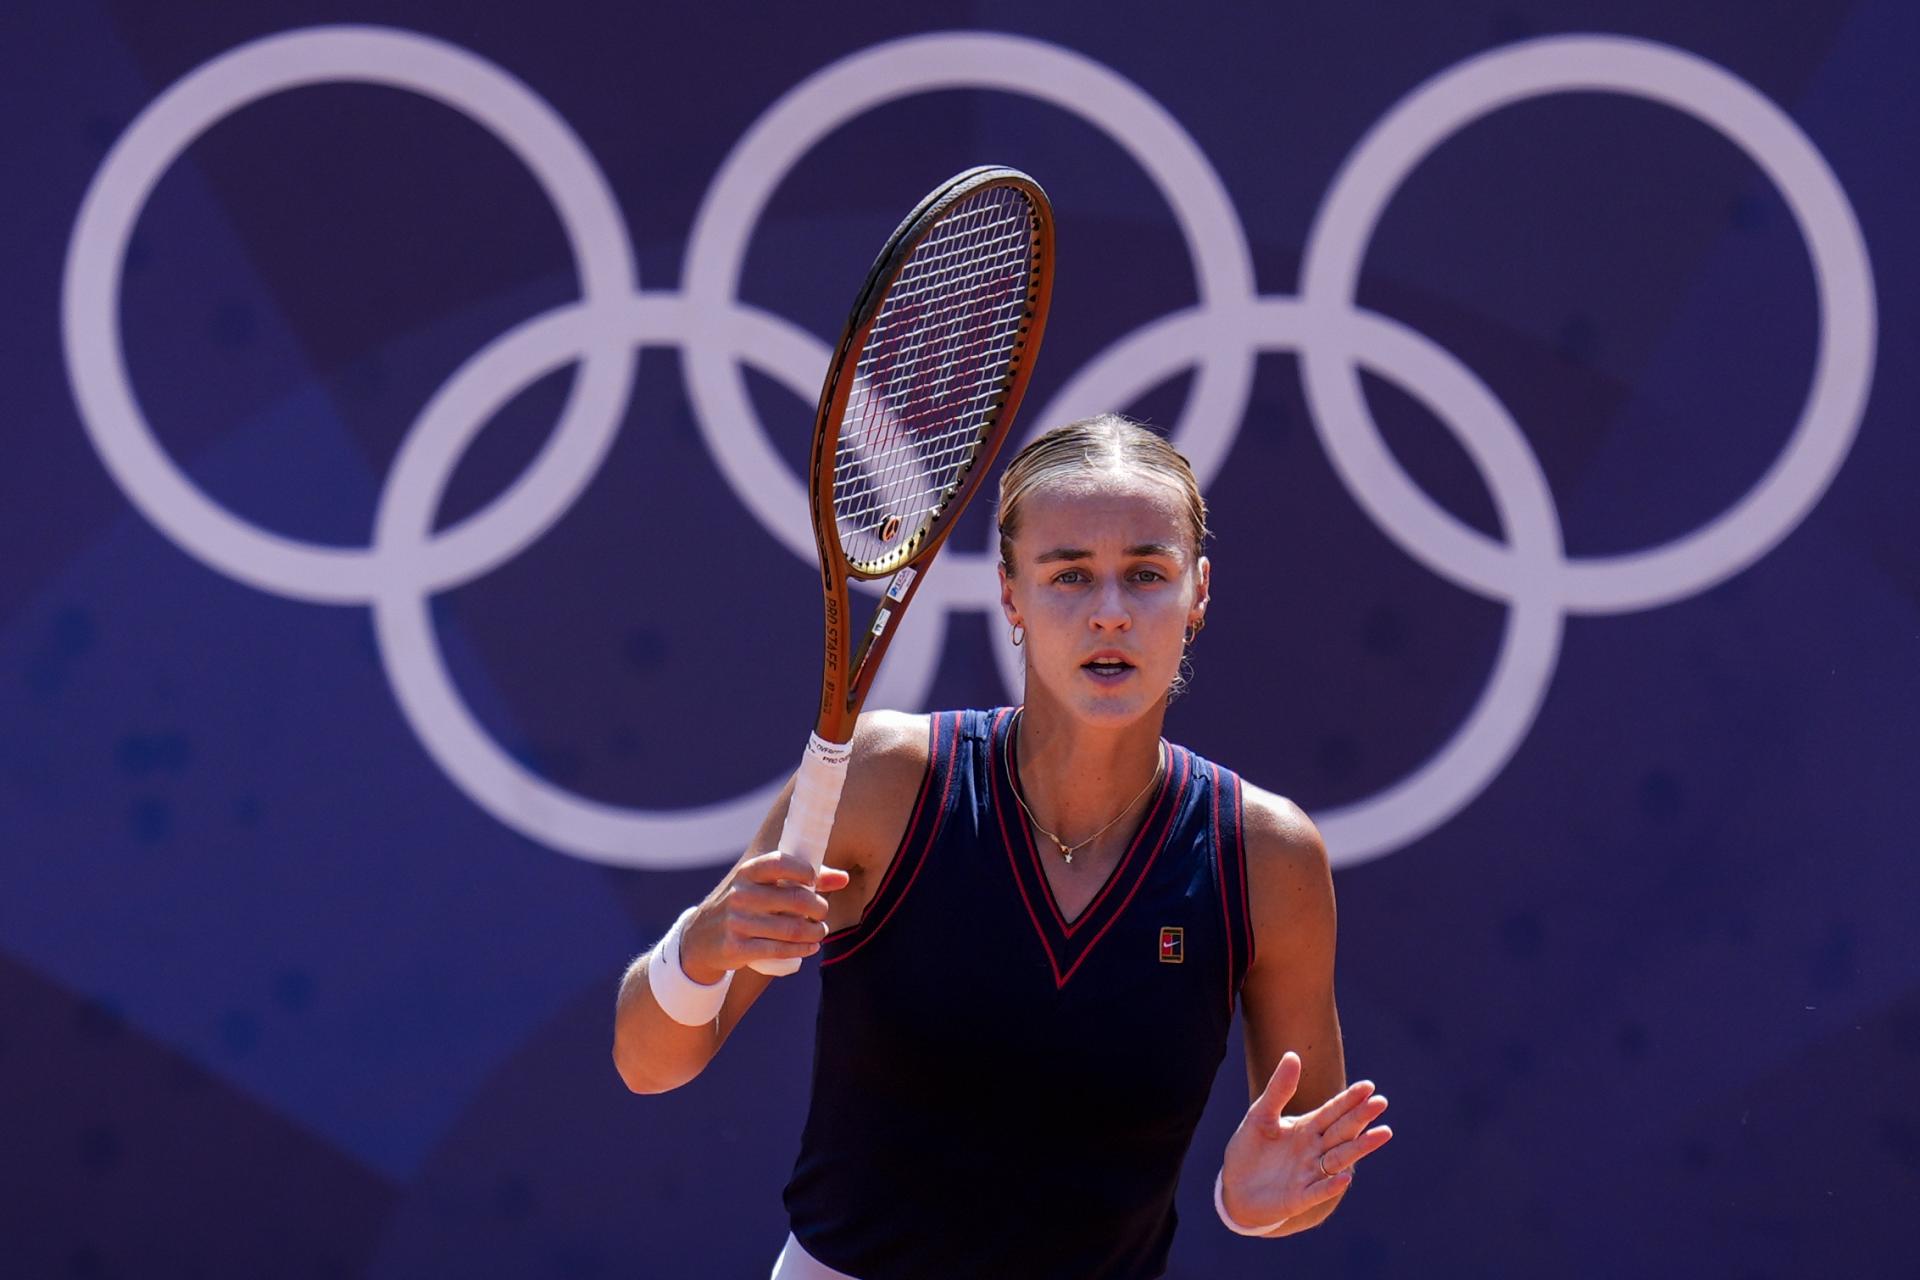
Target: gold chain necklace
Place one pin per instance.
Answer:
(1066, 850)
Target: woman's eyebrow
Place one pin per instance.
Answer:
(1134, 552)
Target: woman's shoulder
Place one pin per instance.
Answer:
(1280, 840)
(1289, 879)
(893, 752)
(887, 740)
(906, 738)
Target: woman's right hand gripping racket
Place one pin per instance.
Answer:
(920, 395)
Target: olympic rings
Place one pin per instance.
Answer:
(1221, 337)
(90, 299)
(1843, 368)
(923, 64)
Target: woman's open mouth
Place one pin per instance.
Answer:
(1107, 668)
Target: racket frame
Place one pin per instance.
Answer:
(851, 663)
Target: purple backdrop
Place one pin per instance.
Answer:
(1555, 397)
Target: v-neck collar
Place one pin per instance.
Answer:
(1067, 943)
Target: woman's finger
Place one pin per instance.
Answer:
(1324, 1188)
(1342, 1158)
(748, 925)
(1328, 1113)
(1344, 1128)
(776, 867)
(772, 948)
(788, 900)
(1285, 1079)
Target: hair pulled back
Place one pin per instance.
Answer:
(1108, 442)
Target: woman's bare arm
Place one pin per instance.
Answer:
(772, 904)
(1292, 1157)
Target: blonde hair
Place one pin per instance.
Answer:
(1106, 442)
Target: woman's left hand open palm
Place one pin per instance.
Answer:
(1279, 1166)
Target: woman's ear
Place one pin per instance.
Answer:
(1006, 595)
(1203, 592)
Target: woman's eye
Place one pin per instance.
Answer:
(1070, 576)
(1149, 575)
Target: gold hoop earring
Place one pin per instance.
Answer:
(1019, 634)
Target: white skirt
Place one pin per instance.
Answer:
(795, 1263)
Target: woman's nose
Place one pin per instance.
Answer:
(1110, 607)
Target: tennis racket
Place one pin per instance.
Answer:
(920, 395)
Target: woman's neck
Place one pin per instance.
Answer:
(1076, 776)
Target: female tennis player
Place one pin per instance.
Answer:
(1035, 924)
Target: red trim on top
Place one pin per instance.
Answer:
(1240, 845)
(919, 859)
(1226, 912)
(1137, 882)
(1119, 868)
(913, 823)
(1013, 864)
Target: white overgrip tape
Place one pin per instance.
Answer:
(827, 755)
(816, 798)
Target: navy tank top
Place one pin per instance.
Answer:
(1000, 1091)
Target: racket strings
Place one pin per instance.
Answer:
(930, 463)
(968, 275)
(897, 360)
(954, 311)
(970, 278)
(907, 369)
(894, 481)
(933, 372)
(858, 461)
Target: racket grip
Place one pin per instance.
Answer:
(816, 798)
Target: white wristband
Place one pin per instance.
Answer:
(689, 1003)
(1220, 1207)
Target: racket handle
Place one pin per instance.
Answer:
(816, 798)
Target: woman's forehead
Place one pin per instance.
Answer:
(1130, 508)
